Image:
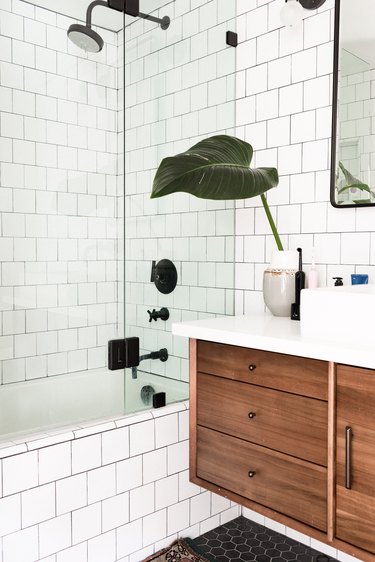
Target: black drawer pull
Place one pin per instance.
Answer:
(252, 415)
(252, 367)
(251, 473)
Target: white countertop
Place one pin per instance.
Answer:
(271, 333)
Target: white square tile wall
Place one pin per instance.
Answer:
(179, 89)
(284, 107)
(55, 507)
(58, 197)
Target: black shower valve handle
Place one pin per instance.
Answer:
(163, 314)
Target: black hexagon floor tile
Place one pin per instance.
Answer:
(243, 540)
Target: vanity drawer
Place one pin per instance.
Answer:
(298, 375)
(292, 424)
(280, 482)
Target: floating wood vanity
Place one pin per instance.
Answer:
(289, 435)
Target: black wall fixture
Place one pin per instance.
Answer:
(163, 314)
(164, 275)
(311, 4)
(232, 39)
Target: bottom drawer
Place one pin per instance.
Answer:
(288, 485)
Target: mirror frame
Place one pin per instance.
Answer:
(335, 90)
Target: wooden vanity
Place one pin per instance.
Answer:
(288, 436)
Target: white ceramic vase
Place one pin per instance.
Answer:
(279, 282)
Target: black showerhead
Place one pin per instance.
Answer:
(85, 38)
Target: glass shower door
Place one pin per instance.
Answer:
(179, 89)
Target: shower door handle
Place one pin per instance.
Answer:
(123, 354)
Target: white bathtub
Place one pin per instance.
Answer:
(44, 404)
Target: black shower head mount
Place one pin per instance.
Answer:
(84, 37)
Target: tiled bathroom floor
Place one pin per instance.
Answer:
(244, 540)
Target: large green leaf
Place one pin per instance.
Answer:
(215, 168)
(352, 182)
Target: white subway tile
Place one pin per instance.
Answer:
(355, 248)
(142, 438)
(142, 501)
(86, 523)
(22, 545)
(166, 492)
(102, 548)
(71, 493)
(10, 514)
(86, 453)
(101, 483)
(20, 473)
(178, 517)
(178, 457)
(55, 535)
(129, 538)
(23, 54)
(115, 511)
(154, 465)
(54, 462)
(38, 505)
(129, 474)
(154, 527)
(11, 25)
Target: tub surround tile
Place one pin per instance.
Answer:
(129, 474)
(101, 483)
(86, 453)
(132, 419)
(92, 430)
(166, 430)
(49, 441)
(155, 465)
(115, 445)
(71, 493)
(55, 535)
(38, 504)
(55, 462)
(169, 409)
(10, 514)
(20, 472)
(22, 545)
(128, 502)
(86, 523)
(10, 449)
(115, 511)
(142, 437)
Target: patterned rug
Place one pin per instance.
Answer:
(182, 550)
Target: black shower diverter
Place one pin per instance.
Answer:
(164, 275)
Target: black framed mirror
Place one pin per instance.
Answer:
(353, 121)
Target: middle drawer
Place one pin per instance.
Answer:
(285, 422)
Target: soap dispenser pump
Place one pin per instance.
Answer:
(338, 282)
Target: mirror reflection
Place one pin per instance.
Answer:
(353, 150)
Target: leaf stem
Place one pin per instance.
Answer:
(272, 223)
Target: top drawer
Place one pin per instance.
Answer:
(298, 375)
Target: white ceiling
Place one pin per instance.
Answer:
(357, 19)
(101, 16)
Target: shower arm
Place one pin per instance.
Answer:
(151, 18)
(164, 22)
(91, 7)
